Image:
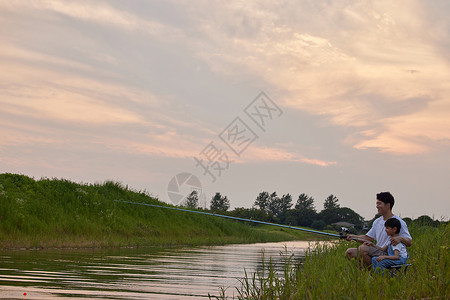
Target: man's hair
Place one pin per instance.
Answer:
(393, 222)
(386, 198)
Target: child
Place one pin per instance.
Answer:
(396, 255)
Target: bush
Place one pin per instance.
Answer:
(318, 224)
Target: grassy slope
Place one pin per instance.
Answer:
(59, 213)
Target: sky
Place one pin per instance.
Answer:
(349, 98)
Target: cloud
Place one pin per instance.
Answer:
(95, 12)
(60, 115)
(48, 103)
(350, 69)
(420, 132)
(278, 154)
(42, 93)
(52, 87)
(347, 62)
(60, 107)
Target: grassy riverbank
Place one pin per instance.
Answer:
(57, 213)
(327, 274)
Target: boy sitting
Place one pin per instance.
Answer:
(396, 255)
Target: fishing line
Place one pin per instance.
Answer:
(341, 235)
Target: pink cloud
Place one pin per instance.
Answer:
(330, 72)
(266, 154)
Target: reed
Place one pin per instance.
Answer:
(326, 274)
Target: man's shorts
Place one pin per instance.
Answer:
(376, 252)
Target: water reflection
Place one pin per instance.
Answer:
(144, 273)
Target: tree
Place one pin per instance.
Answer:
(331, 202)
(279, 206)
(300, 217)
(345, 214)
(426, 221)
(262, 201)
(305, 202)
(219, 203)
(408, 221)
(330, 216)
(250, 213)
(349, 215)
(191, 200)
(318, 224)
(286, 203)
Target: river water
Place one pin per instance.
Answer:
(139, 273)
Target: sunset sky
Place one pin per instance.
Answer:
(135, 91)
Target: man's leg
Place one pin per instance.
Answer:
(364, 255)
(361, 253)
(351, 253)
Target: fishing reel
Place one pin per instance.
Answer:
(343, 233)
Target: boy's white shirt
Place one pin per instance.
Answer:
(401, 248)
(378, 232)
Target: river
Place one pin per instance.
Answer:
(135, 273)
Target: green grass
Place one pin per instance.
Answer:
(50, 213)
(327, 274)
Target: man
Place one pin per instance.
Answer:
(385, 203)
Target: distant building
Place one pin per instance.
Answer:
(344, 224)
(365, 226)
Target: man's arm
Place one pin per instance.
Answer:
(359, 238)
(401, 239)
(376, 246)
(404, 236)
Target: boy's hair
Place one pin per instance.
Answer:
(386, 198)
(393, 222)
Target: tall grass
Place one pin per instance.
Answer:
(327, 274)
(60, 213)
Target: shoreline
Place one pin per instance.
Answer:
(270, 238)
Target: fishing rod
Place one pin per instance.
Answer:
(340, 235)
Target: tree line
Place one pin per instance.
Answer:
(270, 207)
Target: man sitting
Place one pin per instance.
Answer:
(385, 203)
